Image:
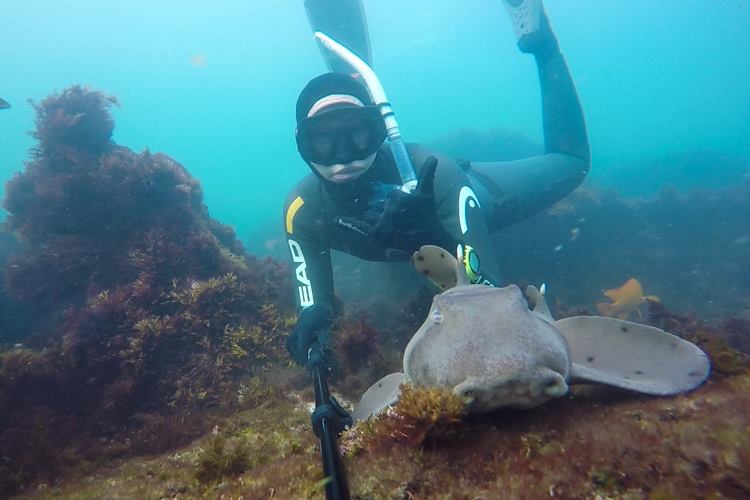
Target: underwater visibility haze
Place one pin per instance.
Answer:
(146, 288)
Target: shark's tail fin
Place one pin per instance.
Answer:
(4, 104)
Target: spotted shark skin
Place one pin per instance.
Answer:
(489, 347)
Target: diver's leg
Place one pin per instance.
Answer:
(475, 244)
(462, 216)
(564, 125)
(345, 22)
(523, 187)
(465, 220)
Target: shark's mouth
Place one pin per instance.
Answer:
(523, 391)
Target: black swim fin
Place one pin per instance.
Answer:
(4, 104)
(345, 22)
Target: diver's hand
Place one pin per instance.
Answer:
(405, 220)
(411, 217)
(313, 331)
(426, 182)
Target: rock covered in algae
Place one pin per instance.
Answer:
(598, 442)
(160, 330)
(141, 301)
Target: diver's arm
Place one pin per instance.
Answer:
(310, 256)
(313, 274)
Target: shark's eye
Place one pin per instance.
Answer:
(437, 315)
(468, 396)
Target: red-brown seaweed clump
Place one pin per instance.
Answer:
(142, 302)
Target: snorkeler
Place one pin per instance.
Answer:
(352, 201)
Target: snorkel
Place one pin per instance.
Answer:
(377, 93)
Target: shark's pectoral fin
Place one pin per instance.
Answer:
(632, 356)
(379, 396)
(539, 302)
(436, 264)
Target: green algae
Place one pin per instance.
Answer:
(249, 453)
(221, 458)
(596, 442)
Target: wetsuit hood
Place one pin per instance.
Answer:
(320, 87)
(329, 84)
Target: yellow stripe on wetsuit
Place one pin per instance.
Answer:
(291, 212)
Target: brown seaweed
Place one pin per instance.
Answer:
(141, 302)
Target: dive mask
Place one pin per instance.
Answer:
(340, 135)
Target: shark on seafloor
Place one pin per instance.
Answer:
(488, 346)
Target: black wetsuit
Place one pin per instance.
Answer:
(472, 199)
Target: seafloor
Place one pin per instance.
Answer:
(142, 347)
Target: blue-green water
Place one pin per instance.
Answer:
(213, 84)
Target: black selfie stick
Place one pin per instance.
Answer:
(328, 420)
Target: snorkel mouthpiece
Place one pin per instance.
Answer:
(375, 88)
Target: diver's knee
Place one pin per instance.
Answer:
(572, 173)
(576, 172)
(585, 165)
(581, 168)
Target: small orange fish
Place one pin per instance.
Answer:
(625, 300)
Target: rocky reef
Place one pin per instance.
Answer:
(690, 249)
(136, 305)
(141, 347)
(597, 442)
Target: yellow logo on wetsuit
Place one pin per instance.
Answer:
(291, 212)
